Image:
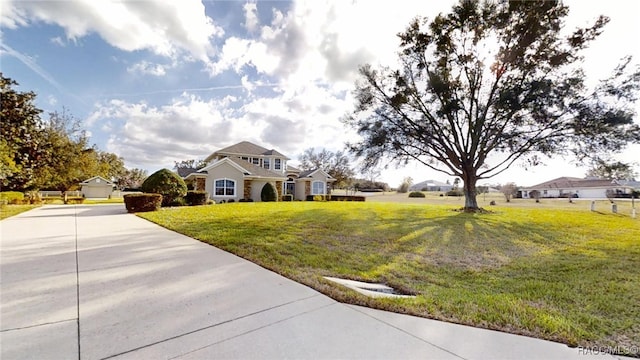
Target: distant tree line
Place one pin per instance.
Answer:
(53, 153)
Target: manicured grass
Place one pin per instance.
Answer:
(568, 275)
(11, 210)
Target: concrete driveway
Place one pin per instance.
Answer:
(93, 282)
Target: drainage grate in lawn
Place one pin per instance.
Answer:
(369, 289)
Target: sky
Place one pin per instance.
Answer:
(159, 81)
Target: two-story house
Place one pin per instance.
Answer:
(242, 170)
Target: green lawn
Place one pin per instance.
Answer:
(568, 274)
(11, 210)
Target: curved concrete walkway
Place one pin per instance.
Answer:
(93, 282)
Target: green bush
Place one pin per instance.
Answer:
(11, 197)
(268, 193)
(196, 197)
(455, 193)
(166, 183)
(75, 200)
(416, 194)
(142, 202)
(287, 197)
(347, 198)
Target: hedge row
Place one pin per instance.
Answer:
(11, 197)
(335, 198)
(142, 202)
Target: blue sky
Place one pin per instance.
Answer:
(162, 81)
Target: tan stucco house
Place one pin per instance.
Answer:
(240, 171)
(576, 187)
(96, 187)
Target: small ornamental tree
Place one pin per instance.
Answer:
(268, 193)
(167, 183)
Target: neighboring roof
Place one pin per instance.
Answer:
(430, 183)
(572, 182)
(632, 183)
(183, 172)
(246, 148)
(86, 182)
(293, 169)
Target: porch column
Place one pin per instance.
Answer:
(247, 189)
(279, 190)
(200, 184)
(307, 188)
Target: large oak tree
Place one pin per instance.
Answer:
(489, 84)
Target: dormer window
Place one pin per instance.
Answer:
(266, 163)
(277, 164)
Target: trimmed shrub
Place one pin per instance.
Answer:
(11, 197)
(455, 193)
(416, 194)
(268, 193)
(196, 197)
(347, 198)
(75, 200)
(166, 183)
(316, 198)
(142, 202)
(287, 197)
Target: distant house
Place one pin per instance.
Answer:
(576, 187)
(431, 185)
(241, 171)
(96, 187)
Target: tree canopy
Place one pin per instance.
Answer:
(489, 84)
(21, 136)
(52, 154)
(337, 164)
(611, 170)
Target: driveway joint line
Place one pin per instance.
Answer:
(210, 326)
(37, 325)
(75, 211)
(253, 330)
(408, 333)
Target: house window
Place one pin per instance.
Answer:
(224, 187)
(317, 188)
(245, 158)
(255, 161)
(277, 163)
(266, 163)
(544, 192)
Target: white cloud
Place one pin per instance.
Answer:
(147, 68)
(163, 27)
(58, 41)
(251, 20)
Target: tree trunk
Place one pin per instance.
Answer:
(470, 201)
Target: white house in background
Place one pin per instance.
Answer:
(576, 187)
(241, 171)
(431, 185)
(96, 187)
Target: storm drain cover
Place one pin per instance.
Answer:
(369, 289)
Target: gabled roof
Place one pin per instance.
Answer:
(430, 183)
(572, 182)
(183, 172)
(309, 173)
(246, 148)
(107, 182)
(225, 161)
(245, 167)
